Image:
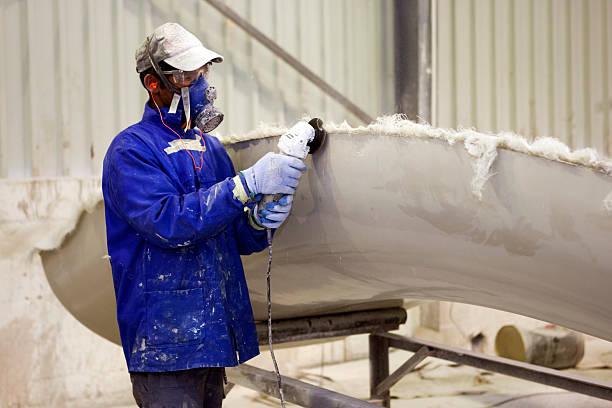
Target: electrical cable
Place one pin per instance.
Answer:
(268, 275)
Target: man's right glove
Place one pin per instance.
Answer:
(275, 212)
(274, 174)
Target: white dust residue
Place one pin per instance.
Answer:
(38, 214)
(481, 146)
(608, 203)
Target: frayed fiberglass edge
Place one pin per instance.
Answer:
(397, 125)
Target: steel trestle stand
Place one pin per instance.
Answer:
(378, 323)
(381, 381)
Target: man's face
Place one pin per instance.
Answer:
(179, 78)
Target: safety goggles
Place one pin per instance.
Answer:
(184, 78)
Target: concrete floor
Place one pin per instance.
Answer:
(435, 383)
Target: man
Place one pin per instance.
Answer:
(178, 217)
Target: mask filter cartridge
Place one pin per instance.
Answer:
(202, 97)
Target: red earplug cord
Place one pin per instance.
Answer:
(199, 168)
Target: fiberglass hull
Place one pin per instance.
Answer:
(379, 218)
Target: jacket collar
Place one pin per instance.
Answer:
(171, 119)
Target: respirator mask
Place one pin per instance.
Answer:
(198, 101)
(198, 97)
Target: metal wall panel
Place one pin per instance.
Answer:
(68, 82)
(536, 67)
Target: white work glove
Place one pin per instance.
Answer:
(275, 212)
(274, 174)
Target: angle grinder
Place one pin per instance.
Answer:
(303, 138)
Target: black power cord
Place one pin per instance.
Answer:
(268, 275)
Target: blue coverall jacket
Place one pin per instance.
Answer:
(175, 236)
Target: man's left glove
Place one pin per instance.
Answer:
(275, 212)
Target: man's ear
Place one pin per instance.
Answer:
(152, 83)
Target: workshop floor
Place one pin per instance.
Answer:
(435, 383)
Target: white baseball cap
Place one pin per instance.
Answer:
(173, 44)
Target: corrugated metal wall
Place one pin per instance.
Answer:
(68, 82)
(537, 67)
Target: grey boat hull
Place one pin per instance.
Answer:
(381, 218)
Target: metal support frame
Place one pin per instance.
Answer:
(314, 328)
(386, 384)
(381, 381)
(379, 369)
(378, 323)
(332, 325)
(295, 391)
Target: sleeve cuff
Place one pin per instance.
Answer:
(253, 221)
(239, 191)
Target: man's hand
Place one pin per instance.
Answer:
(275, 212)
(274, 174)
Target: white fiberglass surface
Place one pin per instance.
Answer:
(378, 218)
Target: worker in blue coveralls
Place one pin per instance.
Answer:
(178, 217)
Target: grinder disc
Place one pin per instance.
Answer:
(320, 135)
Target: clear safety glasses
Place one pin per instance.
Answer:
(184, 78)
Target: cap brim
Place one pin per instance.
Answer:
(193, 58)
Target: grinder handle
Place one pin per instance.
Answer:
(267, 198)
